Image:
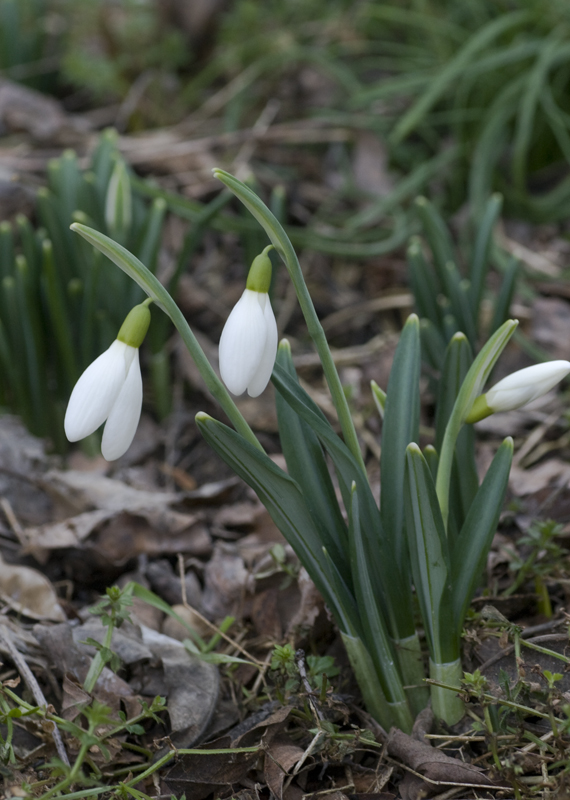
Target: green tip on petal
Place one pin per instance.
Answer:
(134, 328)
(479, 410)
(259, 278)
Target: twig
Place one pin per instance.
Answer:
(300, 659)
(35, 689)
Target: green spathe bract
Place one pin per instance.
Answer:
(259, 276)
(367, 569)
(134, 328)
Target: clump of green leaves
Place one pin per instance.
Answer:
(61, 304)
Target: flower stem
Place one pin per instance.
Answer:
(283, 245)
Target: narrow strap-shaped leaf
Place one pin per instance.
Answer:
(480, 260)
(379, 397)
(367, 679)
(429, 557)
(433, 344)
(307, 465)
(425, 284)
(504, 299)
(454, 66)
(376, 635)
(464, 479)
(389, 585)
(458, 359)
(471, 387)
(284, 501)
(469, 553)
(438, 237)
(400, 427)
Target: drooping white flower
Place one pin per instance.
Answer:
(248, 345)
(519, 388)
(110, 390)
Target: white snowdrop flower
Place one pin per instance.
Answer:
(518, 389)
(248, 345)
(110, 390)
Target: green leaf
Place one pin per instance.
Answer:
(212, 658)
(388, 583)
(425, 284)
(376, 636)
(439, 239)
(306, 464)
(471, 387)
(480, 260)
(504, 298)
(469, 554)
(367, 679)
(379, 397)
(433, 344)
(453, 68)
(464, 478)
(284, 501)
(429, 557)
(400, 427)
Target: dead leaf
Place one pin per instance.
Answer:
(225, 581)
(84, 491)
(199, 775)
(280, 756)
(19, 484)
(554, 472)
(75, 698)
(66, 656)
(432, 763)
(551, 326)
(191, 685)
(29, 592)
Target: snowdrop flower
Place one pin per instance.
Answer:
(518, 389)
(110, 390)
(248, 344)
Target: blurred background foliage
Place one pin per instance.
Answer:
(486, 83)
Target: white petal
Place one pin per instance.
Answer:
(124, 418)
(525, 385)
(96, 391)
(242, 342)
(265, 368)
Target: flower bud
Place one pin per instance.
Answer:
(248, 344)
(518, 389)
(110, 390)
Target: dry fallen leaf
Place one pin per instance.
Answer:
(29, 592)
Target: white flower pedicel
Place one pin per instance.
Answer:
(248, 344)
(110, 390)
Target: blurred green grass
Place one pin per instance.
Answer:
(468, 98)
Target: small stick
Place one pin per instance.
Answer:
(35, 689)
(300, 659)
